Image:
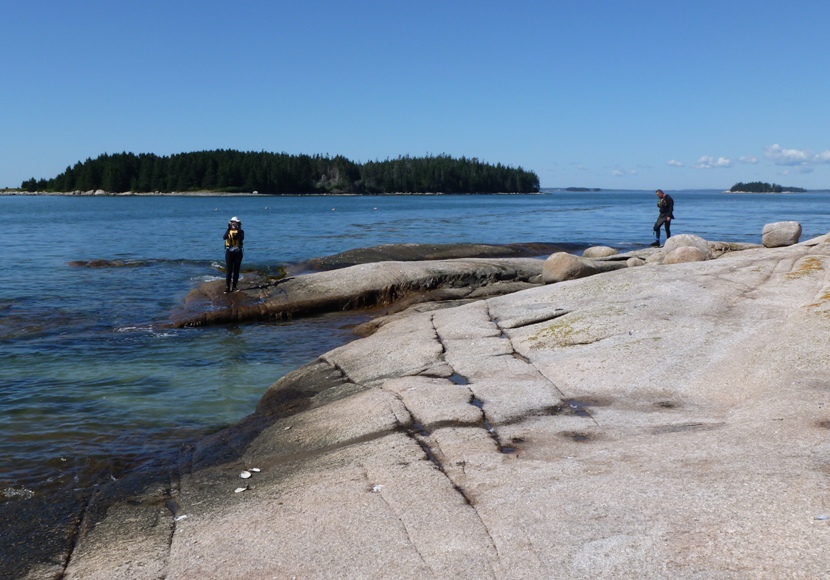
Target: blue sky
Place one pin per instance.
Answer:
(623, 95)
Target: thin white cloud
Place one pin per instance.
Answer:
(748, 159)
(788, 157)
(674, 163)
(796, 157)
(799, 170)
(708, 162)
(621, 172)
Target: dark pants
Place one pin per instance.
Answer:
(662, 221)
(233, 261)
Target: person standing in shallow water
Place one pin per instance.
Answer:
(234, 237)
(665, 204)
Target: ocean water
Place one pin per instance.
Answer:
(92, 382)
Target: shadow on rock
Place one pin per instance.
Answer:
(419, 252)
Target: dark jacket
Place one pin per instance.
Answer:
(666, 206)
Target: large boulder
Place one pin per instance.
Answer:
(599, 252)
(684, 254)
(778, 234)
(562, 266)
(656, 257)
(687, 240)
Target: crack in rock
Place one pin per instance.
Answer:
(526, 360)
(421, 437)
(440, 340)
(530, 319)
(418, 434)
(409, 537)
(172, 503)
(79, 530)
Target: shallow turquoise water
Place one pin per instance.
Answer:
(92, 383)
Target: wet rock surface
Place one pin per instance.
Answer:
(657, 421)
(420, 252)
(368, 285)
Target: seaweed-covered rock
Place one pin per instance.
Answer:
(362, 286)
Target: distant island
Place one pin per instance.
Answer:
(228, 171)
(582, 189)
(763, 187)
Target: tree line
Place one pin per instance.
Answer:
(234, 171)
(763, 187)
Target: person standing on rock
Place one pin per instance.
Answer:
(666, 206)
(234, 236)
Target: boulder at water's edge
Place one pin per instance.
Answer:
(778, 234)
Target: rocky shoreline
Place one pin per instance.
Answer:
(659, 413)
(102, 193)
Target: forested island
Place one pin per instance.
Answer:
(229, 171)
(763, 187)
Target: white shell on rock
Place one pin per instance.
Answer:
(256, 469)
(241, 489)
(245, 474)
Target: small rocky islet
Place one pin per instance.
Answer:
(656, 413)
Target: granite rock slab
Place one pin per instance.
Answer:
(665, 421)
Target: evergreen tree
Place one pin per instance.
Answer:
(234, 171)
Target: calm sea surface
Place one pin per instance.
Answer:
(92, 384)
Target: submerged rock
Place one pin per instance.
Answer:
(98, 263)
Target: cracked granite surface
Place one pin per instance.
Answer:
(651, 422)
